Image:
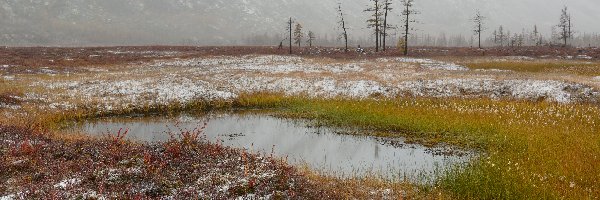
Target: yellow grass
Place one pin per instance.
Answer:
(530, 150)
(538, 66)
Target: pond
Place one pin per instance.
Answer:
(321, 149)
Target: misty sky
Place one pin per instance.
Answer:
(442, 15)
(227, 22)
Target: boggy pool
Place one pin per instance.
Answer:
(321, 149)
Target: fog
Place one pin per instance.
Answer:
(244, 22)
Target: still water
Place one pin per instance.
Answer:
(321, 149)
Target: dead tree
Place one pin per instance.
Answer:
(495, 37)
(311, 37)
(290, 23)
(501, 35)
(533, 38)
(407, 13)
(565, 26)
(342, 24)
(375, 20)
(508, 37)
(479, 26)
(387, 8)
(298, 35)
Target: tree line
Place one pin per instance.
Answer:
(380, 25)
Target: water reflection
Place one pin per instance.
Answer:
(319, 148)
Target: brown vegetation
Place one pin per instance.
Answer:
(71, 58)
(37, 165)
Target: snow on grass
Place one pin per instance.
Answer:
(517, 58)
(316, 87)
(516, 89)
(9, 106)
(445, 66)
(586, 57)
(492, 70)
(68, 183)
(269, 64)
(45, 70)
(427, 63)
(147, 91)
(230, 61)
(225, 77)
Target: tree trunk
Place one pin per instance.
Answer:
(479, 32)
(385, 26)
(376, 26)
(377, 37)
(406, 30)
(290, 23)
(346, 39)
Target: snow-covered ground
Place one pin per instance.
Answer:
(225, 77)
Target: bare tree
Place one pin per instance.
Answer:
(387, 8)
(501, 35)
(509, 39)
(520, 38)
(442, 40)
(290, 23)
(495, 35)
(311, 38)
(565, 26)
(298, 35)
(535, 35)
(479, 26)
(375, 20)
(342, 24)
(407, 13)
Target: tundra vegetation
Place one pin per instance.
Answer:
(528, 111)
(533, 122)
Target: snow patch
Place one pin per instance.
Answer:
(224, 78)
(518, 58)
(9, 106)
(48, 71)
(149, 91)
(555, 91)
(8, 197)
(68, 183)
(584, 57)
(492, 70)
(315, 88)
(427, 63)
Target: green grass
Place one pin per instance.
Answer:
(532, 150)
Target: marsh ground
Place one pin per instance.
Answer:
(534, 116)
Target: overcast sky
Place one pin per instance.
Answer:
(226, 22)
(443, 15)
